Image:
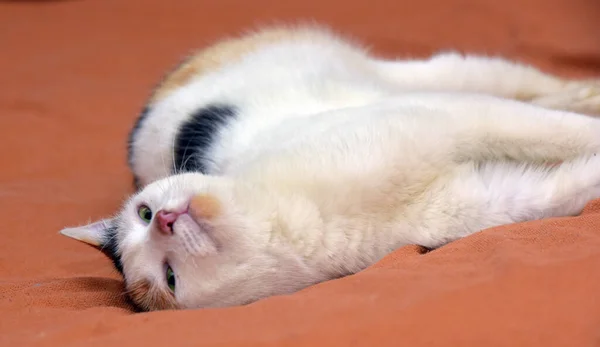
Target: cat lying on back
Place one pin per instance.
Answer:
(290, 156)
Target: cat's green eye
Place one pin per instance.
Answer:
(170, 278)
(145, 213)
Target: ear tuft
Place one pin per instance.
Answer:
(93, 234)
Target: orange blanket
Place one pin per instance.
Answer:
(75, 74)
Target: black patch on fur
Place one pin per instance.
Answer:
(110, 247)
(132, 135)
(197, 134)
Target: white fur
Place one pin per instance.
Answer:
(338, 158)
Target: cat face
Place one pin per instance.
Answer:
(192, 241)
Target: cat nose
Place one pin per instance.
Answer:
(165, 220)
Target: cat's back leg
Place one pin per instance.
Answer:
(453, 72)
(577, 96)
(485, 127)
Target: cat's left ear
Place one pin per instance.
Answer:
(93, 234)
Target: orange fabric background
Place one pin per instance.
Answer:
(74, 75)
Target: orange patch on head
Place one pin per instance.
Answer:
(149, 297)
(204, 207)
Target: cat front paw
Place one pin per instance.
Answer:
(577, 96)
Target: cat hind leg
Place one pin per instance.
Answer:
(579, 96)
(453, 72)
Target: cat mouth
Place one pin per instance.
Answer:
(194, 236)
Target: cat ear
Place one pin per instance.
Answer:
(93, 234)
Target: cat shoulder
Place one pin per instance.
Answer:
(232, 49)
(159, 132)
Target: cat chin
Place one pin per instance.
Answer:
(265, 275)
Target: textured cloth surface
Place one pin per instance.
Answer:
(74, 75)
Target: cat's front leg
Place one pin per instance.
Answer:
(484, 195)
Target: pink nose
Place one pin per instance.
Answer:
(165, 220)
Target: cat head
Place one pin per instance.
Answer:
(194, 241)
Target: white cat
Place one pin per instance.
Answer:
(289, 156)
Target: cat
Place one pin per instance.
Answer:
(290, 156)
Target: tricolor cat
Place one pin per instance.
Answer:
(291, 156)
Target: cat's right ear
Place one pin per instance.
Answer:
(93, 234)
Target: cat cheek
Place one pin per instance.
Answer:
(204, 207)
